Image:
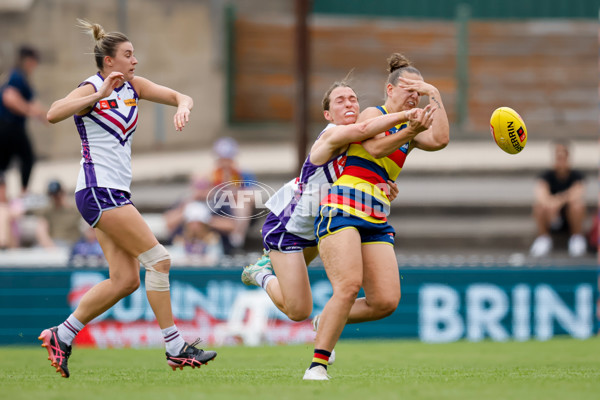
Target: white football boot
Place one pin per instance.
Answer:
(317, 373)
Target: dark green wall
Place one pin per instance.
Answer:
(446, 9)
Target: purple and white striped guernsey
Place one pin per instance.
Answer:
(106, 133)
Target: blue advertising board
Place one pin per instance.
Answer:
(437, 305)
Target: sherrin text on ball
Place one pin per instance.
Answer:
(508, 130)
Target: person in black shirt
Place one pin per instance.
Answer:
(17, 103)
(559, 205)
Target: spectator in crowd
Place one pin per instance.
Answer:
(220, 220)
(226, 150)
(201, 244)
(59, 223)
(227, 174)
(559, 205)
(87, 250)
(231, 215)
(16, 105)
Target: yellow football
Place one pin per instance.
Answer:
(508, 130)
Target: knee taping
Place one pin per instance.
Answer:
(155, 280)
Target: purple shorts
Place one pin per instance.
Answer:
(92, 201)
(275, 237)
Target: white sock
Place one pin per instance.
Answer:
(69, 329)
(173, 340)
(264, 278)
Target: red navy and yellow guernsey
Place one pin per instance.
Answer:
(358, 199)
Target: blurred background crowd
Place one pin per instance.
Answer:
(239, 60)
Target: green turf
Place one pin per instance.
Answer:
(556, 369)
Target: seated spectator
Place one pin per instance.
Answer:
(86, 252)
(220, 218)
(230, 215)
(202, 245)
(559, 205)
(226, 169)
(226, 172)
(58, 224)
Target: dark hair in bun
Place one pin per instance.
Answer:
(398, 64)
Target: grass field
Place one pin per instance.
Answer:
(556, 369)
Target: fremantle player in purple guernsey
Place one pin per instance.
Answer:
(105, 109)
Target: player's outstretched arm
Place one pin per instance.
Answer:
(340, 136)
(151, 91)
(382, 145)
(366, 129)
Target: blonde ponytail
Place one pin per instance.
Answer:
(95, 30)
(106, 43)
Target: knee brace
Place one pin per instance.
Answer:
(155, 280)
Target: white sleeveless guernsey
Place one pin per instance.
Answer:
(106, 133)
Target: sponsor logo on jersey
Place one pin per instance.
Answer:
(130, 102)
(108, 104)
